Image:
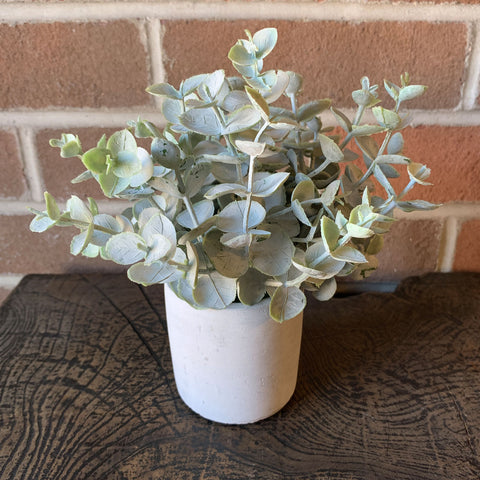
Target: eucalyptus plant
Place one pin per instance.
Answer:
(238, 198)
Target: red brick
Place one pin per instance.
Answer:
(411, 248)
(467, 253)
(332, 56)
(14, 184)
(452, 154)
(22, 251)
(72, 64)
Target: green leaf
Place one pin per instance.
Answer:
(330, 233)
(326, 290)
(241, 119)
(411, 91)
(197, 231)
(348, 254)
(258, 102)
(165, 186)
(78, 210)
(203, 211)
(305, 190)
(251, 287)
(387, 118)
(366, 130)
(165, 153)
(295, 82)
(287, 303)
(230, 262)
(146, 168)
(317, 263)
(80, 242)
(122, 141)
(95, 160)
(342, 119)
(126, 164)
(160, 249)
(126, 248)
(172, 109)
(358, 231)
(111, 184)
(230, 219)
(393, 159)
(212, 84)
(299, 212)
(201, 120)
(154, 273)
(71, 149)
(241, 56)
(311, 109)
(164, 90)
(395, 145)
(193, 264)
(254, 149)
(265, 41)
(273, 256)
(158, 224)
(414, 205)
(41, 223)
(191, 84)
(330, 149)
(418, 173)
(52, 207)
(267, 186)
(225, 189)
(213, 290)
(391, 89)
(195, 178)
(86, 175)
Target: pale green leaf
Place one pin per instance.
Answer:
(203, 211)
(230, 219)
(254, 149)
(311, 109)
(251, 287)
(267, 186)
(395, 145)
(164, 90)
(326, 290)
(122, 141)
(165, 153)
(411, 91)
(195, 178)
(158, 224)
(126, 248)
(201, 120)
(330, 149)
(299, 212)
(240, 120)
(287, 303)
(272, 256)
(214, 290)
(154, 273)
(225, 189)
(230, 262)
(330, 233)
(95, 160)
(348, 254)
(265, 41)
(78, 210)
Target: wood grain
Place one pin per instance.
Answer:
(389, 388)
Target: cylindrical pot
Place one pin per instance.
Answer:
(235, 365)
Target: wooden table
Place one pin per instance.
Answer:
(389, 388)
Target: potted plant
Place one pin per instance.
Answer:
(239, 208)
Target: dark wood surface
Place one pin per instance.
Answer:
(389, 388)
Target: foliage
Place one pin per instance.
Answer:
(239, 198)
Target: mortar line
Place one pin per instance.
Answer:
(9, 281)
(448, 241)
(118, 117)
(471, 84)
(155, 38)
(339, 11)
(32, 171)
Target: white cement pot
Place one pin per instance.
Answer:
(235, 365)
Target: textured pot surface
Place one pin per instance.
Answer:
(235, 365)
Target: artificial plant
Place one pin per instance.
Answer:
(238, 198)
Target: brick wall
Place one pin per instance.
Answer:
(83, 67)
